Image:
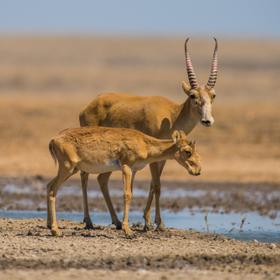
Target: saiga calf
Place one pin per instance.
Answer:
(101, 150)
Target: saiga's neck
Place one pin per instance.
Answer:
(187, 117)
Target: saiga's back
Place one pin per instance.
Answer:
(153, 115)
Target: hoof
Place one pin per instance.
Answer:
(161, 227)
(129, 234)
(88, 223)
(118, 225)
(89, 226)
(127, 231)
(56, 232)
(148, 227)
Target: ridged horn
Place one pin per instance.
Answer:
(214, 67)
(190, 70)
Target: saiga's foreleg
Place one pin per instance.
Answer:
(84, 181)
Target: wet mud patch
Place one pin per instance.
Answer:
(30, 194)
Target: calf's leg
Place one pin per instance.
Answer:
(127, 186)
(63, 174)
(156, 169)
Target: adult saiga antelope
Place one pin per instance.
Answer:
(156, 116)
(103, 150)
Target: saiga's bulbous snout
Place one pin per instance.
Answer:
(207, 122)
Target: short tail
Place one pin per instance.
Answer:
(52, 151)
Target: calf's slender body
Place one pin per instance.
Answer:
(104, 150)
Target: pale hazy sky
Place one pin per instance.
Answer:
(255, 18)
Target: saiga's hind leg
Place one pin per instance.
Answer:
(103, 180)
(156, 171)
(84, 181)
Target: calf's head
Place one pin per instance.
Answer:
(186, 154)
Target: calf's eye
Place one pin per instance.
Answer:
(188, 154)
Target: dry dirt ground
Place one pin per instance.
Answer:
(28, 252)
(44, 84)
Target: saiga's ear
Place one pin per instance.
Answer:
(186, 87)
(193, 145)
(176, 136)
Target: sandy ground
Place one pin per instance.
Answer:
(28, 251)
(163, 274)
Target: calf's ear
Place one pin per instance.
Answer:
(192, 144)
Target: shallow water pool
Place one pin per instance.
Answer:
(248, 226)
